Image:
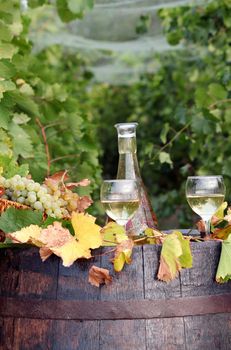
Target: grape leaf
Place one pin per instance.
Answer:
(186, 256)
(224, 268)
(113, 234)
(169, 259)
(29, 234)
(10, 167)
(123, 254)
(83, 203)
(15, 219)
(98, 275)
(86, 231)
(21, 141)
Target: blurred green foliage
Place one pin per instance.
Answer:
(184, 108)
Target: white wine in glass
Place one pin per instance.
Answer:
(120, 198)
(205, 194)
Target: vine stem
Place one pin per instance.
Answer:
(63, 157)
(171, 141)
(42, 127)
(221, 101)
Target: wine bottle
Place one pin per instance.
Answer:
(128, 168)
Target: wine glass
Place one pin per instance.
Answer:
(121, 199)
(205, 194)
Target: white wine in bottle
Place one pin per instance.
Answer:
(128, 168)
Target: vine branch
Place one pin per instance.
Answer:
(42, 127)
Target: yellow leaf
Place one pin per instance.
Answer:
(123, 254)
(86, 231)
(29, 234)
(113, 234)
(71, 251)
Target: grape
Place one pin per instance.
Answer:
(30, 186)
(47, 205)
(49, 198)
(32, 197)
(37, 187)
(24, 193)
(58, 213)
(38, 205)
(21, 200)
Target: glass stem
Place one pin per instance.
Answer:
(207, 228)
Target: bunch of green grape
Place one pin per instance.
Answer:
(48, 199)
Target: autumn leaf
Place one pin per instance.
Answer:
(86, 231)
(58, 177)
(29, 234)
(153, 236)
(60, 241)
(99, 276)
(71, 251)
(224, 268)
(123, 254)
(221, 233)
(219, 215)
(45, 253)
(169, 259)
(113, 233)
(55, 235)
(185, 258)
(83, 183)
(83, 203)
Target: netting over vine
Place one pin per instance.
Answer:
(118, 38)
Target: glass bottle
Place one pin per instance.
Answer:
(128, 168)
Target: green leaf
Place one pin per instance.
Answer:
(164, 132)
(7, 50)
(22, 144)
(26, 103)
(201, 97)
(7, 69)
(6, 85)
(64, 12)
(26, 89)
(217, 91)
(224, 268)
(164, 157)
(15, 219)
(20, 118)
(4, 117)
(5, 32)
(11, 168)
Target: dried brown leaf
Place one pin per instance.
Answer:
(98, 275)
(83, 203)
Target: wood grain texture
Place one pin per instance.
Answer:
(76, 335)
(153, 288)
(73, 281)
(122, 335)
(208, 332)
(165, 334)
(200, 279)
(24, 277)
(32, 334)
(6, 333)
(126, 285)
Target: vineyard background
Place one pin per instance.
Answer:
(181, 100)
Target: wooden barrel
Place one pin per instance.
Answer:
(47, 306)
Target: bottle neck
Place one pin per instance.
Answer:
(128, 167)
